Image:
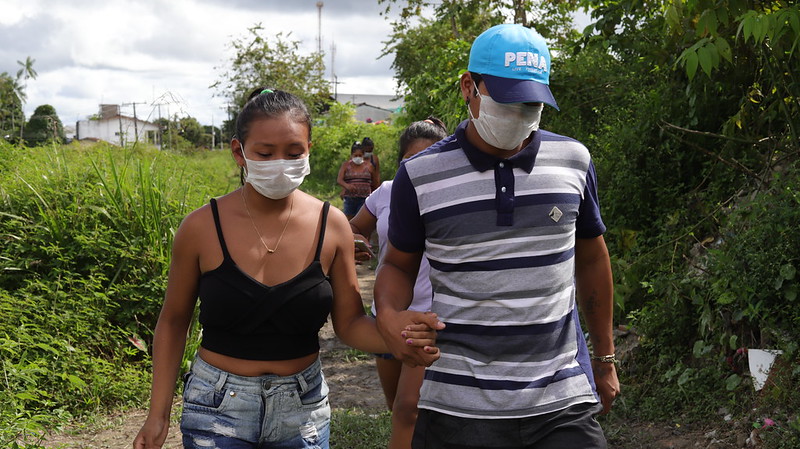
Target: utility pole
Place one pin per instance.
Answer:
(319, 38)
(160, 130)
(119, 118)
(135, 120)
(334, 78)
(319, 26)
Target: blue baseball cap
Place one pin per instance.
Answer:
(514, 62)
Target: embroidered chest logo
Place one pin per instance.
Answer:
(556, 214)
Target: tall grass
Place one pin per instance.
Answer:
(85, 235)
(85, 239)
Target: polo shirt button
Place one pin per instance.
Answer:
(503, 189)
(502, 165)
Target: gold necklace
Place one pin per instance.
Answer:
(286, 225)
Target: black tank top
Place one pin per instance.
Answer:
(243, 318)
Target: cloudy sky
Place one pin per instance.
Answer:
(151, 52)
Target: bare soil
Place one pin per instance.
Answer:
(354, 384)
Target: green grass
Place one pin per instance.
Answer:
(86, 233)
(353, 428)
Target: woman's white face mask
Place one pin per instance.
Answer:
(505, 125)
(278, 178)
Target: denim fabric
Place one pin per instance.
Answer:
(226, 411)
(352, 205)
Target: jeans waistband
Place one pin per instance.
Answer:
(305, 380)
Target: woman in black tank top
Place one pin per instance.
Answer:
(269, 263)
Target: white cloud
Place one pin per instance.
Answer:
(89, 52)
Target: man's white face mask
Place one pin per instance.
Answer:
(505, 125)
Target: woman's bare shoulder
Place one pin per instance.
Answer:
(200, 220)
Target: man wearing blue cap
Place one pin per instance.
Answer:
(508, 216)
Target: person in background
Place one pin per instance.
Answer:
(400, 382)
(269, 263)
(508, 216)
(369, 154)
(358, 179)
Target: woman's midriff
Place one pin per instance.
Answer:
(252, 368)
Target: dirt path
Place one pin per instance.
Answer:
(353, 384)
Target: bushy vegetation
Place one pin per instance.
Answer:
(699, 186)
(332, 141)
(86, 235)
(698, 173)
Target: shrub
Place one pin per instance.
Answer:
(86, 235)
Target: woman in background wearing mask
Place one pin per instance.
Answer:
(369, 155)
(268, 263)
(358, 179)
(400, 382)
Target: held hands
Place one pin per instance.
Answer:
(411, 335)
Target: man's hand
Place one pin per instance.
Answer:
(605, 379)
(410, 335)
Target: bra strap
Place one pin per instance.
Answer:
(219, 229)
(325, 208)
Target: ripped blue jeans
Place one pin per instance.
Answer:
(225, 411)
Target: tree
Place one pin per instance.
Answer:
(11, 115)
(43, 127)
(191, 130)
(274, 63)
(25, 73)
(432, 53)
(172, 134)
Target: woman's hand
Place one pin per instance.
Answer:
(360, 254)
(418, 335)
(152, 434)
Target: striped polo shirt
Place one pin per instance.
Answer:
(500, 237)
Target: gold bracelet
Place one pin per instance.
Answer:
(611, 358)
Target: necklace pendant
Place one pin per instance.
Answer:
(270, 251)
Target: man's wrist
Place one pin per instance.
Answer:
(607, 358)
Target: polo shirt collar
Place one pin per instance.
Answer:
(481, 161)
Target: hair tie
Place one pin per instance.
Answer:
(266, 91)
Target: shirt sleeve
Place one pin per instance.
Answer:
(590, 223)
(406, 229)
(373, 200)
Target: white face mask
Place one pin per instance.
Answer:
(368, 154)
(358, 160)
(278, 178)
(505, 125)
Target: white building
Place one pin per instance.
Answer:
(115, 128)
(372, 108)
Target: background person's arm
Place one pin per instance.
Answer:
(340, 178)
(363, 225)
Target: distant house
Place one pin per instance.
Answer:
(372, 108)
(118, 129)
